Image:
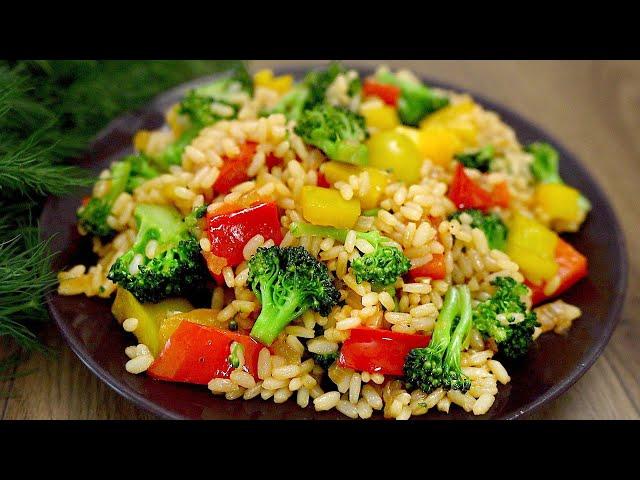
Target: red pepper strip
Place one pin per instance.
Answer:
(85, 200)
(572, 266)
(500, 195)
(271, 161)
(230, 232)
(234, 169)
(434, 269)
(379, 351)
(389, 94)
(196, 354)
(465, 193)
(322, 181)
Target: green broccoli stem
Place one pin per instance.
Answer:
(274, 318)
(120, 172)
(299, 229)
(442, 333)
(350, 152)
(452, 359)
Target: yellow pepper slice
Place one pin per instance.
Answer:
(149, 316)
(378, 180)
(141, 140)
(559, 201)
(265, 78)
(457, 119)
(395, 153)
(201, 316)
(533, 247)
(439, 144)
(382, 117)
(172, 118)
(325, 206)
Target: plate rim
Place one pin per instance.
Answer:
(613, 315)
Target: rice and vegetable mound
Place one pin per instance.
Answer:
(354, 243)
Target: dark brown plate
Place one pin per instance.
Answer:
(552, 366)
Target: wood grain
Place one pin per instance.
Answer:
(591, 106)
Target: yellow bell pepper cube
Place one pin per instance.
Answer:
(201, 316)
(141, 140)
(382, 117)
(559, 201)
(172, 118)
(149, 316)
(439, 144)
(533, 247)
(457, 118)
(378, 180)
(265, 78)
(325, 206)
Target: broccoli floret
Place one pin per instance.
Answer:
(172, 155)
(177, 266)
(416, 100)
(490, 223)
(238, 80)
(504, 318)
(338, 132)
(142, 169)
(291, 104)
(438, 364)
(200, 112)
(480, 159)
(381, 267)
(93, 216)
(325, 360)
(545, 168)
(546, 162)
(318, 81)
(288, 281)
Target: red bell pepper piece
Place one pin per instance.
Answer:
(234, 169)
(389, 94)
(271, 161)
(379, 351)
(229, 232)
(434, 269)
(85, 200)
(465, 193)
(322, 181)
(572, 266)
(197, 353)
(500, 195)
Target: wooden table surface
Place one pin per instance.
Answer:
(592, 107)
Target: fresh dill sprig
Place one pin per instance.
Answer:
(49, 110)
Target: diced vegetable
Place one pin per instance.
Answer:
(389, 94)
(479, 159)
(559, 201)
(378, 180)
(322, 181)
(412, 133)
(265, 78)
(434, 269)
(149, 315)
(394, 152)
(229, 232)
(234, 169)
(439, 144)
(465, 193)
(456, 118)
(532, 246)
(201, 316)
(491, 224)
(572, 267)
(378, 351)
(325, 206)
(197, 354)
(382, 117)
(416, 100)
